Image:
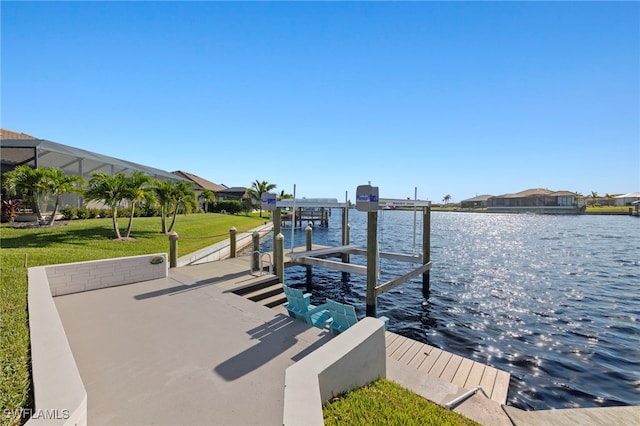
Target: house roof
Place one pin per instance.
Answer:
(44, 146)
(484, 197)
(536, 192)
(10, 134)
(235, 189)
(629, 195)
(201, 182)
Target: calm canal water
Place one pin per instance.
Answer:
(553, 300)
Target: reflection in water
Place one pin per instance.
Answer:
(550, 299)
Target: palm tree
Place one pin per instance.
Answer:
(609, 198)
(112, 190)
(162, 190)
(284, 196)
(594, 196)
(207, 196)
(29, 182)
(137, 189)
(446, 199)
(256, 190)
(57, 183)
(183, 198)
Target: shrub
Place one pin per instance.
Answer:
(10, 209)
(229, 206)
(69, 212)
(83, 213)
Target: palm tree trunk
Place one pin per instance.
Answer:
(116, 229)
(36, 206)
(173, 221)
(163, 219)
(131, 213)
(55, 212)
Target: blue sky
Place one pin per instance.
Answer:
(457, 98)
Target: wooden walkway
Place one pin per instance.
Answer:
(448, 367)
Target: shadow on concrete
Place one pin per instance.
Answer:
(187, 287)
(275, 337)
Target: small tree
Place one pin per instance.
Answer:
(137, 189)
(446, 199)
(284, 196)
(56, 183)
(183, 198)
(29, 182)
(609, 198)
(162, 190)
(112, 190)
(207, 196)
(594, 197)
(39, 185)
(256, 190)
(173, 197)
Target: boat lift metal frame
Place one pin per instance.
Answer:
(319, 257)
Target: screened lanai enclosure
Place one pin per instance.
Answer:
(20, 149)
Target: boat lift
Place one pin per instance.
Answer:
(366, 200)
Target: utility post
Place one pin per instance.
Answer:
(367, 200)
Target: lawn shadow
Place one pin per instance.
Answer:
(45, 237)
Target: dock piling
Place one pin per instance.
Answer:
(232, 241)
(255, 257)
(426, 249)
(309, 237)
(372, 261)
(278, 256)
(173, 249)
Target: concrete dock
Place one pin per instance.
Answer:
(186, 350)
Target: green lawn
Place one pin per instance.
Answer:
(608, 209)
(75, 241)
(386, 403)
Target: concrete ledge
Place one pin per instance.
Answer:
(60, 396)
(69, 278)
(221, 250)
(350, 360)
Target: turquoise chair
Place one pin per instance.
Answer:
(299, 307)
(344, 316)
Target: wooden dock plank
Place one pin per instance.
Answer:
(391, 348)
(488, 379)
(460, 378)
(475, 375)
(420, 357)
(440, 364)
(410, 353)
(390, 338)
(430, 360)
(451, 368)
(501, 387)
(460, 371)
(404, 346)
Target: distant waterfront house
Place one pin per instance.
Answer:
(234, 193)
(200, 184)
(478, 201)
(627, 199)
(536, 200)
